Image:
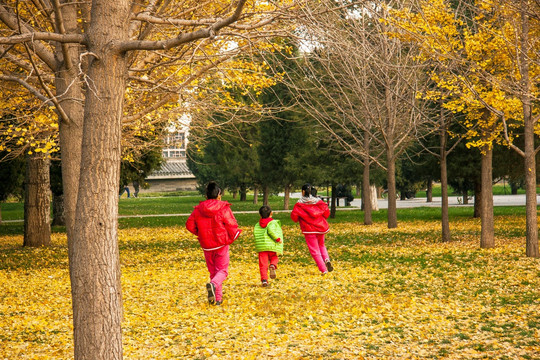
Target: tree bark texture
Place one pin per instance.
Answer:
(445, 219)
(256, 195)
(287, 197)
(529, 124)
(59, 218)
(366, 190)
(391, 181)
(95, 265)
(37, 202)
(487, 236)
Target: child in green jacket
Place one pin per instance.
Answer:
(268, 243)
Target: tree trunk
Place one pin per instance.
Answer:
(95, 276)
(477, 199)
(445, 219)
(465, 197)
(429, 191)
(255, 195)
(37, 202)
(243, 192)
(391, 180)
(366, 190)
(59, 218)
(529, 151)
(266, 195)
(287, 197)
(333, 202)
(487, 237)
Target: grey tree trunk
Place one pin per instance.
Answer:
(477, 199)
(287, 197)
(487, 236)
(95, 269)
(333, 202)
(532, 249)
(266, 194)
(366, 191)
(391, 180)
(37, 202)
(59, 218)
(429, 191)
(256, 195)
(445, 219)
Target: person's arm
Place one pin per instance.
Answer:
(273, 231)
(294, 214)
(191, 225)
(326, 212)
(231, 224)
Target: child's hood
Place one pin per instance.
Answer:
(210, 207)
(264, 222)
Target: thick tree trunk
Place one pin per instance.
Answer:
(256, 195)
(287, 197)
(95, 275)
(477, 199)
(37, 202)
(391, 180)
(487, 236)
(70, 95)
(366, 191)
(429, 191)
(59, 218)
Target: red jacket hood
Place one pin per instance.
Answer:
(210, 207)
(264, 222)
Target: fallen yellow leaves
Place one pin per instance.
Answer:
(394, 294)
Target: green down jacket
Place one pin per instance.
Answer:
(266, 232)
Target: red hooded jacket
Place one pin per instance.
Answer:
(214, 224)
(312, 216)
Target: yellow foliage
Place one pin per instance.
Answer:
(394, 294)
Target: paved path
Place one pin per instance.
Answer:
(498, 200)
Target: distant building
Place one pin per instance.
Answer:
(174, 175)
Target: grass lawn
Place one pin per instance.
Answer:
(394, 294)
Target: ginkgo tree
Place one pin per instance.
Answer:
(487, 56)
(81, 57)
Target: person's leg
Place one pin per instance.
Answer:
(322, 247)
(221, 264)
(273, 263)
(210, 287)
(263, 265)
(314, 250)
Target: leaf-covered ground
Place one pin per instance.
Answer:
(394, 294)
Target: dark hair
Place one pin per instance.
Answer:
(313, 191)
(306, 188)
(212, 190)
(265, 211)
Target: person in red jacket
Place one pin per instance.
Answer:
(312, 213)
(213, 222)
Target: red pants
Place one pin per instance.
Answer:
(264, 258)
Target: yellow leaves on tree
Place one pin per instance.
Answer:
(475, 57)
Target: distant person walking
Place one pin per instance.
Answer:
(311, 213)
(213, 222)
(268, 243)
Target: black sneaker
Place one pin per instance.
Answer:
(264, 283)
(329, 266)
(219, 303)
(272, 272)
(211, 288)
